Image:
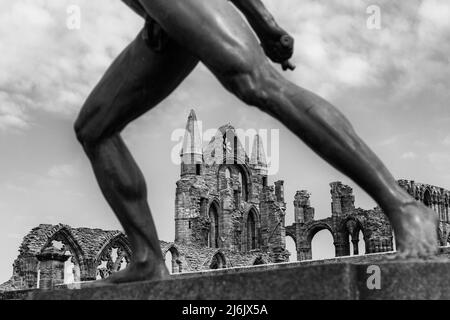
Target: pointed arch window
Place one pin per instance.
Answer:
(227, 173)
(243, 186)
(218, 261)
(213, 239)
(251, 231)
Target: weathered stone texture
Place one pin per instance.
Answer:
(250, 214)
(346, 221)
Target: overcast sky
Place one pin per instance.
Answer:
(392, 83)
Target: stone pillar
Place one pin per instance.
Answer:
(28, 274)
(304, 253)
(273, 224)
(89, 271)
(303, 211)
(341, 244)
(52, 267)
(355, 246)
(279, 254)
(279, 191)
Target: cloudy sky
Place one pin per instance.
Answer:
(392, 83)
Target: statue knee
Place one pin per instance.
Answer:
(86, 131)
(82, 132)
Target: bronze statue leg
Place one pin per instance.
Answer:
(215, 32)
(136, 82)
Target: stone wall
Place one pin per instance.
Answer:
(346, 221)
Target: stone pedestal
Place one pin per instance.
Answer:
(293, 281)
(51, 268)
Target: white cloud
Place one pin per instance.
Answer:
(409, 155)
(436, 12)
(353, 71)
(47, 67)
(62, 171)
(12, 121)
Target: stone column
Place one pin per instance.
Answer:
(28, 267)
(304, 253)
(52, 267)
(341, 244)
(89, 270)
(355, 246)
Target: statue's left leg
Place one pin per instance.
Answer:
(218, 35)
(136, 82)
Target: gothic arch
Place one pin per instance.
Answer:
(218, 261)
(293, 255)
(176, 262)
(227, 173)
(427, 197)
(251, 227)
(233, 153)
(215, 224)
(351, 227)
(358, 226)
(64, 235)
(290, 232)
(315, 228)
(305, 250)
(259, 261)
(236, 169)
(113, 256)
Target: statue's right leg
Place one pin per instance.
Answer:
(136, 82)
(223, 41)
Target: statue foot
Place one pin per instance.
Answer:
(142, 271)
(415, 227)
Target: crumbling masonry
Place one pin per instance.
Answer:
(226, 215)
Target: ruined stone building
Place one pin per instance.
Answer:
(226, 215)
(347, 223)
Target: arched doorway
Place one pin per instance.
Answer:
(172, 260)
(322, 244)
(218, 261)
(292, 248)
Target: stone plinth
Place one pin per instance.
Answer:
(397, 280)
(52, 267)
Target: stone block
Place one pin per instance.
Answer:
(286, 282)
(406, 280)
(398, 280)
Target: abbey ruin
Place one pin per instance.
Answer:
(226, 215)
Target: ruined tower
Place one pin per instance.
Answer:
(223, 200)
(342, 203)
(189, 187)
